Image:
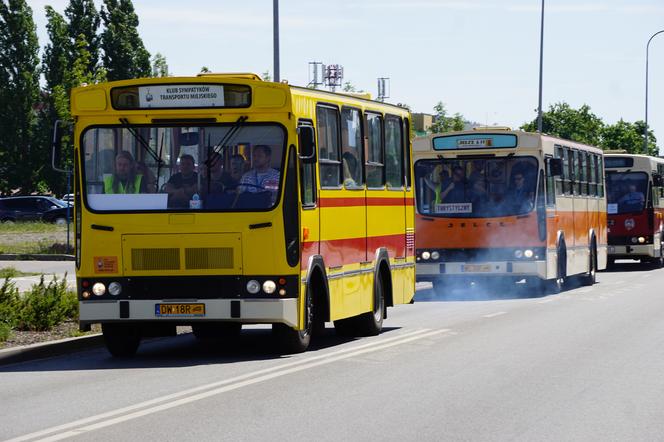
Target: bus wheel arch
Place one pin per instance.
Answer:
(590, 277)
(317, 282)
(383, 271)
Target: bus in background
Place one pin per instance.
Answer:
(635, 207)
(496, 203)
(222, 200)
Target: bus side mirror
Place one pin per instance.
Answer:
(56, 147)
(556, 166)
(307, 144)
(657, 180)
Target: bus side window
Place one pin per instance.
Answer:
(328, 146)
(393, 153)
(583, 178)
(375, 154)
(406, 144)
(576, 179)
(567, 171)
(600, 177)
(352, 143)
(592, 175)
(551, 183)
(559, 180)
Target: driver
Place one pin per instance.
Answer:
(261, 177)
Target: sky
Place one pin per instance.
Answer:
(479, 57)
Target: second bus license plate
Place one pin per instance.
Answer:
(166, 310)
(479, 268)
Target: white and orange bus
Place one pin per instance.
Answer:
(497, 203)
(635, 207)
(223, 200)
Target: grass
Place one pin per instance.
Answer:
(11, 272)
(34, 238)
(31, 227)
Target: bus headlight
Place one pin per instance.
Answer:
(518, 254)
(435, 255)
(114, 288)
(269, 287)
(426, 255)
(641, 240)
(253, 287)
(528, 253)
(98, 289)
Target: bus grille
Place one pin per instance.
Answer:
(155, 259)
(209, 258)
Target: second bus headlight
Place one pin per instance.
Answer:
(253, 286)
(98, 289)
(528, 253)
(426, 255)
(269, 287)
(435, 255)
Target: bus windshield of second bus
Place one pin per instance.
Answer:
(154, 168)
(626, 192)
(471, 188)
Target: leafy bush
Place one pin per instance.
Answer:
(5, 331)
(47, 305)
(10, 303)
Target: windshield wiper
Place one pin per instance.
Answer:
(141, 140)
(230, 134)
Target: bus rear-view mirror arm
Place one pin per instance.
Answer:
(306, 140)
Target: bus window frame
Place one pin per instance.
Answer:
(321, 161)
(400, 139)
(360, 160)
(408, 154)
(382, 148)
(312, 166)
(84, 190)
(550, 182)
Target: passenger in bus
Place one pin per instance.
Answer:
(212, 175)
(350, 166)
(633, 199)
(182, 186)
(519, 197)
(455, 191)
(231, 179)
(479, 196)
(148, 176)
(125, 179)
(261, 177)
(477, 171)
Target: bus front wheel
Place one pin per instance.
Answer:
(297, 341)
(121, 340)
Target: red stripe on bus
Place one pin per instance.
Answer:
(371, 201)
(337, 252)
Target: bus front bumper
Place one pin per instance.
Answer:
(522, 269)
(634, 251)
(252, 311)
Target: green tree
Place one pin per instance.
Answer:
(125, 55)
(563, 121)
(159, 66)
(19, 94)
(266, 76)
(205, 70)
(628, 136)
(444, 123)
(84, 19)
(57, 53)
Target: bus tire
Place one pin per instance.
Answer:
(658, 262)
(121, 340)
(216, 330)
(557, 284)
(590, 277)
(371, 323)
(297, 341)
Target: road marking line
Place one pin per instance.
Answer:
(225, 385)
(493, 315)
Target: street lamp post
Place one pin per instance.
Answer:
(275, 16)
(539, 107)
(645, 129)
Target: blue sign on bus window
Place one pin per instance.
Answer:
(474, 141)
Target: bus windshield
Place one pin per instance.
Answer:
(626, 192)
(206, 168)
(476, 188)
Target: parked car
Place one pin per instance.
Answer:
(34, 208)
(68, 198)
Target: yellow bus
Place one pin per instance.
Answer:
(221, 200)
(509, 205)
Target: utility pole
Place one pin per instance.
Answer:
(539, 107)
(275, 14)
(645, 129)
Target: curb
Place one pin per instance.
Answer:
(49, 349)
(35, 257)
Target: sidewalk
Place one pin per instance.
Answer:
(47, 268)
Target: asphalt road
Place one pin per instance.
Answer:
(478, 364)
